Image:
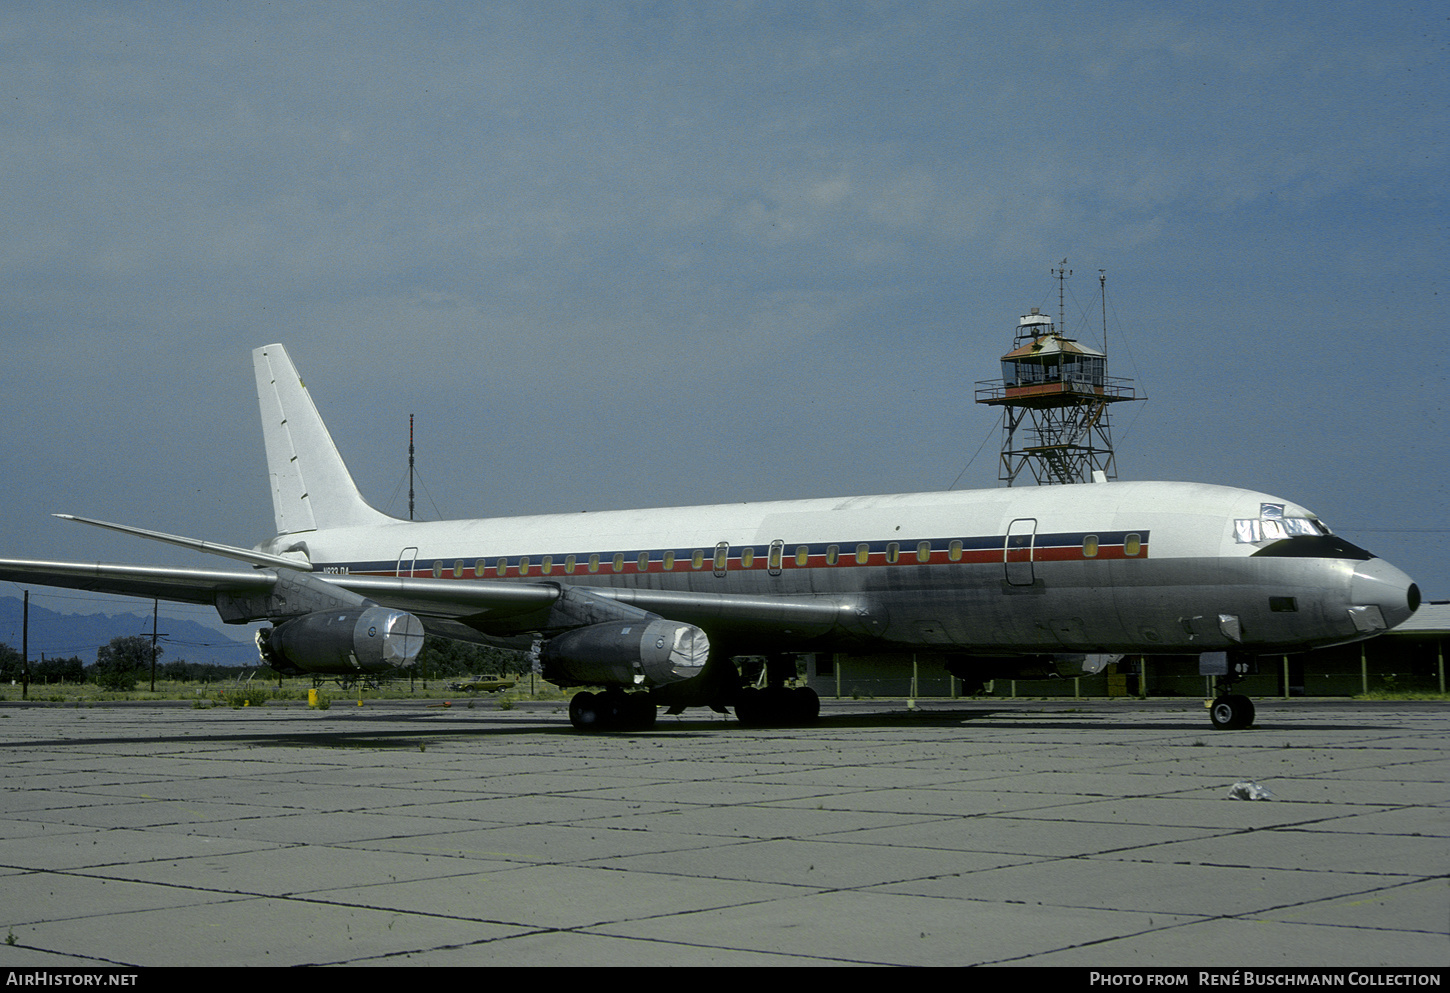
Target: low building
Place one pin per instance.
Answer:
(1410, 657)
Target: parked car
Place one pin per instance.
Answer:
(483, 684)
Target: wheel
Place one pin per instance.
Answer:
(629, 711)
(750, 708)
(1232, 712)
(584, 712)
(640, 713)
(780, 709)
(806, 705)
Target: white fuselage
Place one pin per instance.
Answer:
(1106, 567)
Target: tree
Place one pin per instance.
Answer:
(120, 664)
(444, 657)
(71, 670)
(10, 663)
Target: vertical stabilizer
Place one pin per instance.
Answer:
(311, 487)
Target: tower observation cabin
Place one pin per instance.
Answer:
(1054, 393)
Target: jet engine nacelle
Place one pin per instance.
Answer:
(369, 640)
(640, 652)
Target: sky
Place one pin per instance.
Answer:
(647, 254)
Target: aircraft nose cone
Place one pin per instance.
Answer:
(1377, 585)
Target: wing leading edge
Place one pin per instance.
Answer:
(152, 582)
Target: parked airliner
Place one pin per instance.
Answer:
(652, 605)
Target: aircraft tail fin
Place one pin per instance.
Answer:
(311, 487)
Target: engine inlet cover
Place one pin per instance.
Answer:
(342, 642)
(645, 652)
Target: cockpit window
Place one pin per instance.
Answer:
(1317, 546)
(1252, 530)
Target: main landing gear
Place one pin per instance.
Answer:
(777, 705)
(612, 711)
(773, 705)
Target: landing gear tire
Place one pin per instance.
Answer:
(750, 709)
(636, 713)
(1232, 712)
(612, 712)
(807, 705)
(584, 712)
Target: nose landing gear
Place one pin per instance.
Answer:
(1227, 710)
(1231, 712)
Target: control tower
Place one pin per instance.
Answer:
(1055, 394)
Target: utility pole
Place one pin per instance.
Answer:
(155, 607)
(25, 647)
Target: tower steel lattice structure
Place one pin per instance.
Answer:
(1055, 396)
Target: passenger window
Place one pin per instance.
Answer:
(954, 551)
(1090, 546)
(594, 563)
(643, 561)
(722, 557)
(457, 568)
(524, 566)
(569, 564)
(747, 558)
(503, 567)
(618, 561)
(802, 556)
(863, 553)
(547, 566)
(1132, 545)
(833, 554)
(479, 568)
(669, 561)
(893, 552)
(437, 570)
(697, 561)
(923, 551)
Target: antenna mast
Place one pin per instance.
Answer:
(1061, 272)
(1103, 289)
(410, 467)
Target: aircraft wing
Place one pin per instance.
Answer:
(204, 586)
(151, 582)
(511, 608)
(503, 608)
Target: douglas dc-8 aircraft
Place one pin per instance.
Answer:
(653, 604)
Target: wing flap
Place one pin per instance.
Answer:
(451, 598)
(801, 616)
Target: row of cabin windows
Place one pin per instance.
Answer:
(1132, 547)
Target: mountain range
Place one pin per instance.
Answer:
(57, 635)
